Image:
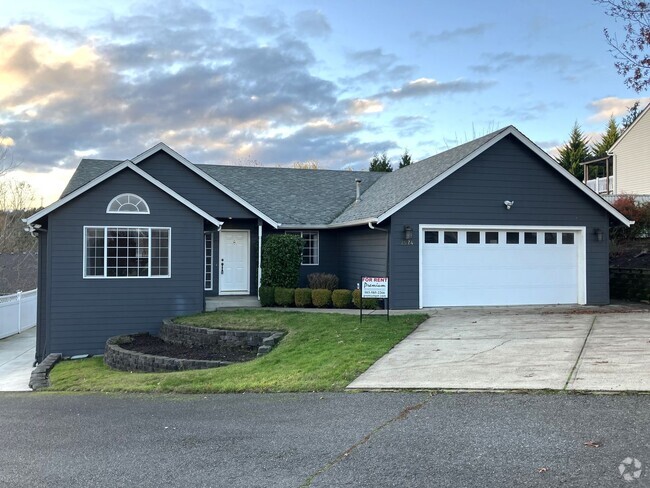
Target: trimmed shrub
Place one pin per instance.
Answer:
(267, 296)
(321, 298)
(281, 257)
(284, 297)
(368, 303)
(323, 281)
(342, 298)
(303, 297)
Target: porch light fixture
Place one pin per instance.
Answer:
(599, 234)
(408, 233)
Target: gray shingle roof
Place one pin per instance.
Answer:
(293, 196)
(397, 186)
(88, 170)
(315, 197)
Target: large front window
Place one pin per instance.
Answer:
(127, 252)
(310, 246)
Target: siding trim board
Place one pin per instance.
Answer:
(117, 169)
(581, 243)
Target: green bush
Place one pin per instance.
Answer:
(321, 298)
(342, 298)
(368, 303)
(267, 296)
(284, 297)
(303, 297)
(281, 258)
(323, 281)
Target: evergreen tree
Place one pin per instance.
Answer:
(611, 135)
(380, 163)
(574, 152)
(632, 113)
(405, 160)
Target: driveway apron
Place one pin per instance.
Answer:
(484, 350)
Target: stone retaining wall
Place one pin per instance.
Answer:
(125, 360)
(191, 336)
(40, 377)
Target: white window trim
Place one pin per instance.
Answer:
(317, 256)
(208, 260)
(106, 227)
(580, 241)
(108, 207)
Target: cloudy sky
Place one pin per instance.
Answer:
(274, 82)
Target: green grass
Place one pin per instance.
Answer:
(320, 352)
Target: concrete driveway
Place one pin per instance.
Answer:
(557, 348)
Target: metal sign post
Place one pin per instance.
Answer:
(374, 287)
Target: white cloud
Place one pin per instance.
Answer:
(365, 106)
(604, 108)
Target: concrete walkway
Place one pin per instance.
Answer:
(16, 360)
(491, 349)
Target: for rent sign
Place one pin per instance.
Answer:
(374, 287)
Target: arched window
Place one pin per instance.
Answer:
(127, 203)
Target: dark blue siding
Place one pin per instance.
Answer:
(191, 186)
(475, 194)
(362, 253)
(83, 313)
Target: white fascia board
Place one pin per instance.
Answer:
(161, 146)
(511, 130)
(352, 223)
(113, 171)
(626, 131)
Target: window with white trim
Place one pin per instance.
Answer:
(310, 246)
(128, 203)
(209, 245)
(127, 252)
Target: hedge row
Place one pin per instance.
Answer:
(319, 298)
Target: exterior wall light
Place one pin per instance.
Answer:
(599, 234)
(408, 233)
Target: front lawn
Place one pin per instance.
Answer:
(321, 351)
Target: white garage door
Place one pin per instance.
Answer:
(501, 266)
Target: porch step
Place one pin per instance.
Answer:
(218, 303)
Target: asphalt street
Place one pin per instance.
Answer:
(325, 440)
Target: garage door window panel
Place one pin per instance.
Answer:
(451, 237)
(568, 238)
(491, 237)
(431, 237)
(550, 237)
(512, 237)
(530, 237)
(473, 237)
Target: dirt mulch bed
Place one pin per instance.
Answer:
(148, 344)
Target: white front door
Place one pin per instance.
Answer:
(234, 257)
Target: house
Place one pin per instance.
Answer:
(494, 221)
(626, 168)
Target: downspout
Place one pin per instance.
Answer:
(259, 256)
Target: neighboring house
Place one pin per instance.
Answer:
(17, 272)
(494, 221)
(626, 169)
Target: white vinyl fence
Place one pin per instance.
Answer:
(17, 312)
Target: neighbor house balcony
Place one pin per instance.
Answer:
(598, 175)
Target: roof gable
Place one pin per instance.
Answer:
(106, 175)
(643, 113)
(400, 188)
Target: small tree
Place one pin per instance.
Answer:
(281, 258)
(633, 113)
(405, 159)
(609, 138)
(574, 152)
(380, 163)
